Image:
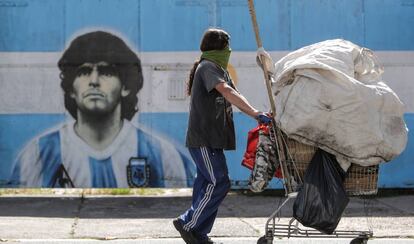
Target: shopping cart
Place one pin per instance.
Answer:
(294, 158)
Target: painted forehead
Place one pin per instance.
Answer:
(91, 65)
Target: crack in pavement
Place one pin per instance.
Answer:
(77, 215)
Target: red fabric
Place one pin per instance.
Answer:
(278, 173)
(250, 154)
(249, 158)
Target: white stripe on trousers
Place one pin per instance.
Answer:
(208, 193)
(208, 164)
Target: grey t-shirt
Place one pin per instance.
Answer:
(211, 116)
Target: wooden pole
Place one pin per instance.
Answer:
(259, 45)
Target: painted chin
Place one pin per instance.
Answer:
(95, 109)
(95, 102)
(98, 104)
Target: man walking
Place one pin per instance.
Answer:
(210, 131)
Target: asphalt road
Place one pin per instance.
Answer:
(148, 219)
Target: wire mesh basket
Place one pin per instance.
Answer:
(296, 156)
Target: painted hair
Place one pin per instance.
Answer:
(100, 46)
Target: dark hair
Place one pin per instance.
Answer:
(213, 39)
(97, 47)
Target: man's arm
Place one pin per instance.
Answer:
(236, 99)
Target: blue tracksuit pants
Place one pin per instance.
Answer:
(210, 187)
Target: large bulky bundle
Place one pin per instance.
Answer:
(331, 95)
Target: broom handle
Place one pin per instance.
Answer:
(259, 45)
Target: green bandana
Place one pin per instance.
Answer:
(220, 57)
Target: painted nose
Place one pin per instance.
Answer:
(94, 77)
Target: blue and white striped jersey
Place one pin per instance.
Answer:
(40, 163)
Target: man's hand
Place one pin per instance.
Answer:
(263, 118)
(264, 57)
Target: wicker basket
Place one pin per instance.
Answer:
(297, 156)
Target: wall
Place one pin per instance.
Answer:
(166, 35)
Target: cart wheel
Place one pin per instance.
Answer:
(263, 240)
(359, 240)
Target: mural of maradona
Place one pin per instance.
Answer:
(101, 77)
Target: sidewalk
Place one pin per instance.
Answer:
(147, 219)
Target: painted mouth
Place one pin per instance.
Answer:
(94, 94)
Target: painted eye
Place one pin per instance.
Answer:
(107, 71)
(83, 71)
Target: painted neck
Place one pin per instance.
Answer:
(99, 131)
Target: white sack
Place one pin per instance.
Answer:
(331, 95)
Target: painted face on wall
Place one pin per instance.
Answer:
(97, 88)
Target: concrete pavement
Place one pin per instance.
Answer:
(147, 219)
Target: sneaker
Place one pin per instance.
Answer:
(207, 241)
(204, 240)
(187, 236)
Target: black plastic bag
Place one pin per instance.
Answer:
(322, 199)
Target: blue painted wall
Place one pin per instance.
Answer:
(176, 25)
(398, 173)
